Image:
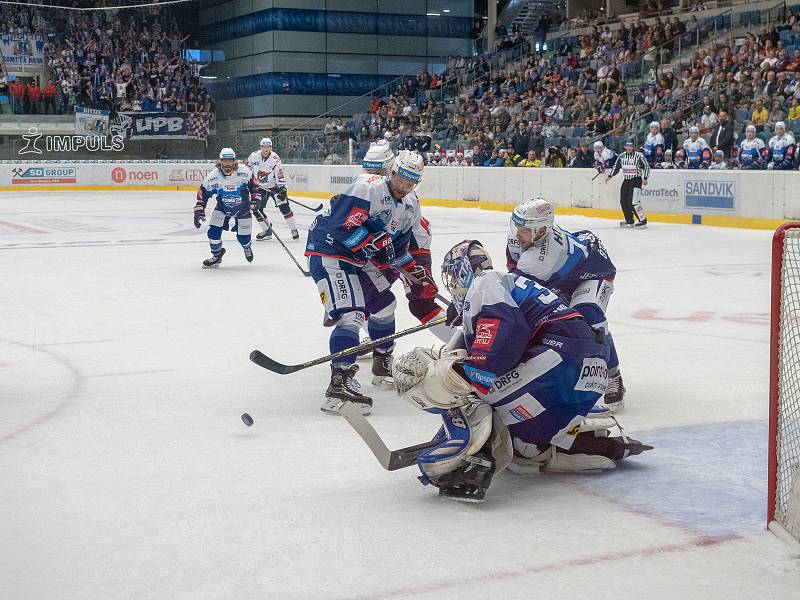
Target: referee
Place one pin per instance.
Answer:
(635, 172)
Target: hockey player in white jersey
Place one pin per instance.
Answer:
(751, 150)
(233, 185)
(698, 154)
(356, 250)
(268, 170)
(514, 388)
(576, 266)
(782, 149)
(604, 158)
(653, 149)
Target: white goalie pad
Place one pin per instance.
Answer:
(466, 431)
(431, 383)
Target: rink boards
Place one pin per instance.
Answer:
(754, 199)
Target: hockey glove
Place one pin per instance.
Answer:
(422, 285)
(381, 249)
(199, 215)
(282, 195)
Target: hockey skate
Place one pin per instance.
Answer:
(248, 254)
(295, 234)
(614, 398)
(382, 367)
(641, 224)
(344, 387)
(469, 482)
(625, 224)
(266, 234)
(215, 260)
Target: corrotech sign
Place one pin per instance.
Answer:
(120, 175)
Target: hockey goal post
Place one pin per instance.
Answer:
(783, 498)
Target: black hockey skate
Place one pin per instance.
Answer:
(295, 234)
(248, 253)
(614, 398)
(625, 224)
(344, 387)
(215, 260)
(382, 366)
(641, 224)
(265, 235)
(469, 482)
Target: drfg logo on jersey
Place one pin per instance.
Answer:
(594, 376)
(69, 143)
(43, 175)
(120, 175)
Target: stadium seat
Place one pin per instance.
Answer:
(794, 126)
(742, 115)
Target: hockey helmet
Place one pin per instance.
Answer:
(598, 145)
(750, 129)
(227, 153)
(531, 221)
(266, 142)
(406, 173)
(461, 264)
(655, 125)
(780, 125)
(378, 159)
(227, 161)
(693, 130)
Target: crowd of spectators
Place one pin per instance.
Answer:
(549, 107)
(118, 60)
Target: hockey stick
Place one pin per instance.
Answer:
(317, 209)
(391, 460)
(265, 362)
(596, 176)
(269, 227)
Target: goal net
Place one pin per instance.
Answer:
(783, 509)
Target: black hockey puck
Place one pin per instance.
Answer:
(247, 419)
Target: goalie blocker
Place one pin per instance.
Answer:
(516, 393)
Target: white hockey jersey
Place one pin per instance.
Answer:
(232, 191)
(268, 171)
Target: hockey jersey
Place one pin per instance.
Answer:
(268, 171)
(562, 261)
(782, 150)
(604, 160)
(698, 154)
(359, 213)
(751, 153)
(653, 148)
(503, 316)
(232, 192)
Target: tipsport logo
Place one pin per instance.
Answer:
(34, 141)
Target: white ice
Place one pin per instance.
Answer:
(126, 472)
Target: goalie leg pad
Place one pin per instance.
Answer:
(463, 434)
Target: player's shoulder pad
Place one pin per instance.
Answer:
(245, 171)
(490, 287)
(276, 155)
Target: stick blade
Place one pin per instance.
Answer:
(265, 362)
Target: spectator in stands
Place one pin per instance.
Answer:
(511, 158)
(775, 114)
(17, 96)
(670, 137)
(759, 115)
(49, 97)
(532, 160)
(707, 120)
(794, 110)
(722, 135)
(34, 95)
(584, 157)
(521, 139)
(555, 158)
(494, 160)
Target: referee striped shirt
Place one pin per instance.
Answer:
(632, 165)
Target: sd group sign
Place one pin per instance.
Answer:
(43, 175)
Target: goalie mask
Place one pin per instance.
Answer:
(461, 264)
(531, 221)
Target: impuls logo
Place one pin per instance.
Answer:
(69, 143)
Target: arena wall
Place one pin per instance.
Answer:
(754, 199)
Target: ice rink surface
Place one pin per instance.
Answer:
(126, 472)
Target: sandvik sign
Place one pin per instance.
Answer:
(719, 195)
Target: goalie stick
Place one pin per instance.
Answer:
(269, 227)
(265, 362)
(391, 460)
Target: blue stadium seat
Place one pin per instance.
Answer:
(742, 115)
(744, 19)
(755, 17)
(794, 126)
(739, 139)
(579, 131)
(763, 137)
(727, 21)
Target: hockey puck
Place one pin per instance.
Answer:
(247, 419)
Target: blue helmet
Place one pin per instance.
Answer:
(461, 264)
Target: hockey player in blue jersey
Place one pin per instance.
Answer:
(653, 148)
(356, 250)
(698, 154)
(233, 185)
(575, 266)
(751, 150)
(516, 389)
(781, 149)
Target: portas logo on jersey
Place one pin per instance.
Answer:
(120, 175)
(594, 376)
(43, 175)
(485, 332)
(356, 217)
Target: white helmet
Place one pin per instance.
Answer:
(656, 125)
(227, 153)
(266, 142)
(379, 157)
(694, 129)
(535, 214)
(750, 129)
(780, 125)
(408, 165)
(598, 145)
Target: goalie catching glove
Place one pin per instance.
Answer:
(428, 379)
